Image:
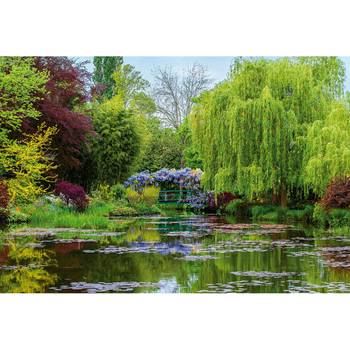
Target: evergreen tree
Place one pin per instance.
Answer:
(105, 66)
(117, 143)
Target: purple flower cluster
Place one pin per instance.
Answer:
(186, 178)
(198, 200)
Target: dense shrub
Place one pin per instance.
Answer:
(150, 195)
(219, 201)
(337, 194)
(198, 200)
(143, 209)
(133, 196)
(338, 217)
(17, 216)
(102, 193)
(304, 215)
(124, 211)
(72, 194)
(118, 191)
(238, 208)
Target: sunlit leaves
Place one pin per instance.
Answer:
(251, 128)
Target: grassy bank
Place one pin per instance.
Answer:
(94, 217)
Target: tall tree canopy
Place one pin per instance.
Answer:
(105, 66)
(120, 123)
(21, 87)
(327, 154)
(161, 148)
(67, 91)
(251, 129)
(117, 143)
(25, 160)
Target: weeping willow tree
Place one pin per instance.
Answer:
(252, 128)
(327, 153)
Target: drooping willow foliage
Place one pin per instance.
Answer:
(252, 128)
(327, 153)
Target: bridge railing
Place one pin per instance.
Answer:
(174, 196)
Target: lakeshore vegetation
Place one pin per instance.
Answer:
(271, 142)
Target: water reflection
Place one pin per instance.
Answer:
(205, 254)
(23, 268)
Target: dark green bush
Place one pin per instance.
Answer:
(118, 191)
(144, 209)
(238, 208)
(331, 218)
(339, 217)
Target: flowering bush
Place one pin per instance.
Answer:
(186, 178)
(72, 194)
(198, 200)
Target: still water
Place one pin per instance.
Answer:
(197, 254)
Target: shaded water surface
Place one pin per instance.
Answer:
(176, 254)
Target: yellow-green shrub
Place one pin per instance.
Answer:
(133, 196)
(28, 164)
(150, 195)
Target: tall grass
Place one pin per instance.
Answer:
(94, 217)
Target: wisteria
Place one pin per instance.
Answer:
(198, 200)
(186, 178)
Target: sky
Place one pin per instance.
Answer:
(218, 67)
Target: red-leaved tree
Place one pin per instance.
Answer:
(67, 87)
(337, 194)
(72, 194)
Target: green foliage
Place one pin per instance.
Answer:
(102, 193)
(190, 157)
(117, 143)
(319, 215)
(131, 87)
(118, 192)
(21, 86)
(161, 148)
(17, 216)
(331, 218)
(304, 215)
(276, 101)
(105, 66)
(150, 195)
(28, 165)
(124, 211)
(258, 211)
(338, 217)
(133, 196)
(25, 162)
(327, 153)
(94, 217)
(144, 209)
(238, 208)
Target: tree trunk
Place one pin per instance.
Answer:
(283, 196)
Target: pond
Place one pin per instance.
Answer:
(186, 254)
